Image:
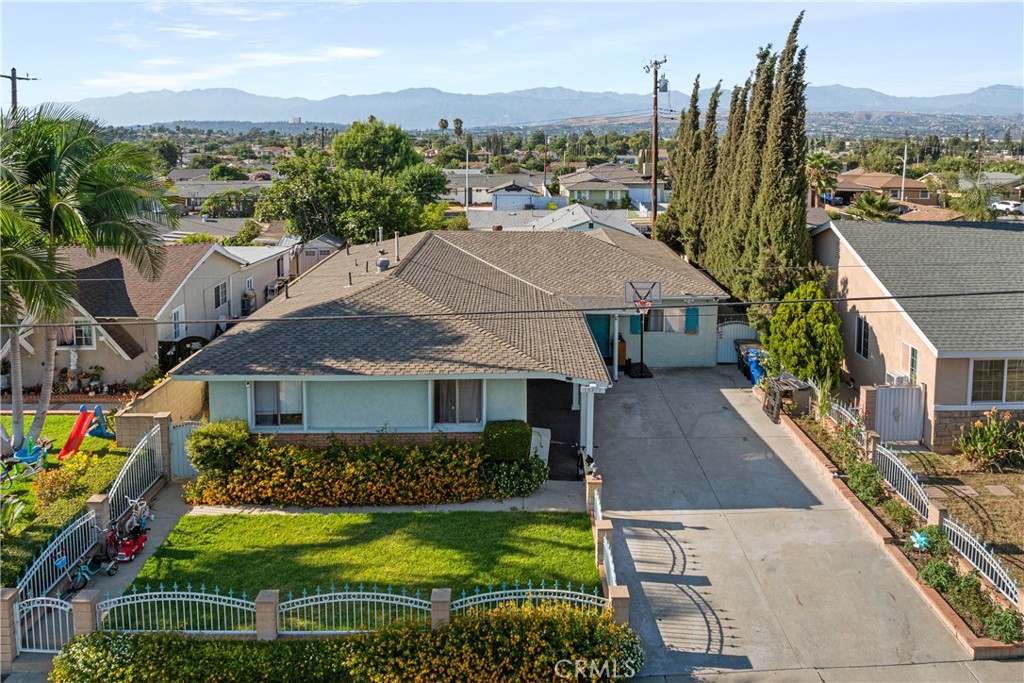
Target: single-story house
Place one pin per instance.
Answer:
(128, 324)
(480, 185)
(305, 255)
(514, 197)
(858, 181)
(576, 217)
(915, 311)
(445, 331)
(609, 184)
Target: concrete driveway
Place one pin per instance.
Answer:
(737, 555)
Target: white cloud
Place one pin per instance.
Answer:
(128, 41)
(193, 32)
(250, 13)
(160, 61)
(527, 25)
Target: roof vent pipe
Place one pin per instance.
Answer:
(380, 235)
(398, 256)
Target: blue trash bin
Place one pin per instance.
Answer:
(756, 371)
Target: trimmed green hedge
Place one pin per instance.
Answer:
(507, 643)
(507, 440)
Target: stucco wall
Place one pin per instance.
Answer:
(198, 298)
(228, 401)
(115, 367)
(183, 400)
(676, 349)
(506, 399)
(366, 405)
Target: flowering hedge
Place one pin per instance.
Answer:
(383, 472)
(507, 643)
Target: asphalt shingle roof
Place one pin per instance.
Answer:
(455, 303)
(950, 258)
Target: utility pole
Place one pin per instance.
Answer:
(14, 78)
(903, 180)
(652, 67)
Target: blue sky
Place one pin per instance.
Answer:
(320, 49)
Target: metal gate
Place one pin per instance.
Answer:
(43, 624)
(899, 413)
(730, 331)
(181, 466)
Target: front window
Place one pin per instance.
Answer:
(82, 336)
(924, 194)
(997, 381)
(912, 368)
(177, 323)
(654, 321)
(863, 336)
(278, 403)
(458, 401)
(220, 295)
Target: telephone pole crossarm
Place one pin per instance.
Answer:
(14, 78)
(652, 68)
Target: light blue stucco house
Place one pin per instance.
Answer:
(444, 334)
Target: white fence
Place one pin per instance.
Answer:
(519, 595)
(60, 554)
(43, 624)
(598, 511)
(901, 478)
(609, 562)
(845, 416)
(182, 611)
(348, 611)
(982, 558)
(140, 471)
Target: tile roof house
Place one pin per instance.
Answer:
(966, 352)
(857, 181)
(448, 332)
(128, 324)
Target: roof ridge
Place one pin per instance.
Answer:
(499, 269)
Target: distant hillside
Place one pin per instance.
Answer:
(422, 107)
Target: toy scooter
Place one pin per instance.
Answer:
(87, 570)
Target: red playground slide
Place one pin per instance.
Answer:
(78, 431)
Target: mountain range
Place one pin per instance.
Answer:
(421, 108)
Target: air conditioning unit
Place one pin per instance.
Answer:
(897, 379)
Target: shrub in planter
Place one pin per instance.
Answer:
(1005, 625)
(507, 440)
(967, 595)
(940, 575)
(903, 516)
(516, 479)
(865, 481)
(51, 485)
(938, 544)
(219, 446)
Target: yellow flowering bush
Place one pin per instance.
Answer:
(996, 442)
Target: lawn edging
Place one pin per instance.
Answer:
(978, 648)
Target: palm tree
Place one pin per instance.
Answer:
(443, 125)
(822, 175)
(874, 207)
(457, 126)
(973, 203)
(70, 186)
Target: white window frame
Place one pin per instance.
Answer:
(1002, 394)
(217, 295)
(862, 337)
(249, 284)
(924, 194)
(278, 427)
(911, 362)
(461, 426)
(81, 324)
(178, 323)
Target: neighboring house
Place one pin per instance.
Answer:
(514, 197)
(574, 217)
(480, 185)
(128, 324)
(857, 181)
(966, 351)
(449, 332)
(192, 193)
(305, 255)
(264, 271)
(608, 185)
(997, 182)
(816, 217)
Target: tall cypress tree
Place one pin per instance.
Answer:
(726, 176)
(683, 167)
(780, 236)
(702, 200)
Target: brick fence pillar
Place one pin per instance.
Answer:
(936, 513)
(618, 596)
(266, 614)
(100, 504)
(602, 530)
(440, 607)
(83, 611)
(594, 484)
(8, 629)
(872, 439)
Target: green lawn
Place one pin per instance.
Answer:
(457, 550)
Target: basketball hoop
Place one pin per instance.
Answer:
(643, 306)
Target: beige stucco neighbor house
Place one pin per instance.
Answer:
(446, 335)
(914, 305)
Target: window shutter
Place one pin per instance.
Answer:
(692, 320)
(635, 323)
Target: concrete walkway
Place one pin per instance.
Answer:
(739, 558)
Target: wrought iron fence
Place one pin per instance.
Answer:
(845, 415)
(350, 611)
(901, 478)
(140, 471)
(981, 557)
(185, 611)
(43, 624)
(528, 593)
(54, 562)
(609, 563)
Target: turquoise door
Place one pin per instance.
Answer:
(599, 327)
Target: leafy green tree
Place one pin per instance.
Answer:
(246, 235)
(804, 335)
(166, 151)
(450, 156)
(230, 203)
(306, 194)
(375, 147)
(204, 161)
(883, 159)
(368, 202)
(224, 172)
(241, 150)
(718, 235)
(70, 185)
(874, 207)
(426, 183)
(199, 238)
(822, 174)
(460, 222)
(432, 216)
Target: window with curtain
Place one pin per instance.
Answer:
(458, 401)
(278, 403)
(79, 334)
(655, 320)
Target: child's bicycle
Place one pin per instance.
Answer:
(138, 520)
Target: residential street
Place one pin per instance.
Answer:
(739, 558)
